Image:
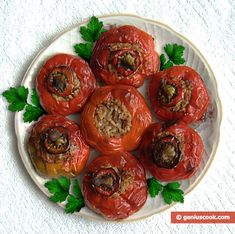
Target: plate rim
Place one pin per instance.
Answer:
(156, 22)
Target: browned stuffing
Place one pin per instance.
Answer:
(76, 88)
(112, 118)
(167, 92)
(187, 92)
(120, 46)
(127, 180)
(113, 47)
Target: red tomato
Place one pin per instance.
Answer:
(64, 84)
(171, 152)
(115, 185)
(178, 93)
(57, 147)
(115, 118)
(124, 55)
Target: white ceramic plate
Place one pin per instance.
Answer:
(208, 129)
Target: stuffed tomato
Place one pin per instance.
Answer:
(115, 118)
(115, 185)
(56, 147)
(171, 152)
(64, 84)
(124, 55)
(178, 93)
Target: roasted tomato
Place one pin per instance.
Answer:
(57, 147)
(178, 93)
(115, 185)
(115, 118)
(124, 55)
(171, 152)
(64, 84)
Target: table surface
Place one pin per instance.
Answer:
(28, 26)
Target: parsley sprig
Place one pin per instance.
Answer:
(60, 190)
(90, 34)
(84, 50)
(17, 99)
(170, 192)
(175, 55)
(93, 30)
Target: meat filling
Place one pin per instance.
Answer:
(106, 181)
(63, 83)
(167, 152)
(168, 92)
(125, 59)
(112, 118)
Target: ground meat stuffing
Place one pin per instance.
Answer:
(126, 61)
(75, 91)
(112, 118)
(187, 92)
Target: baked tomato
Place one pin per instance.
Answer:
(64, 84)
(171, 152)
(115, 118)
(57, 147)
(124, 55)
(115, 185)
(178, 93)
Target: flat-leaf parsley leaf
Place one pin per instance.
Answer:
(74, 204)
(154, 187)
(32, 113)
(84, 50)
(76, 188)
(175, 54)
(34, 98)
(17, 98)
(60, 190)
(170, 192)
(93, 30)
(90, 34)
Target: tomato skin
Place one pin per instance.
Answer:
(136, 105)
(83, 73)
(192, 151)
(124, 34)
(72, 162)
(198, 102)
(122, 203)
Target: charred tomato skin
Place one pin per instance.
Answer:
(198, 97)
(135, 104)
(67, 102)
(131, 194)
(70, 159)
(133, 41)
(190, 150)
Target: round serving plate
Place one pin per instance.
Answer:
(208, 128)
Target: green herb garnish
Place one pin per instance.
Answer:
(59, 188)
(93, 30)
(90, 34)
(175, 54)
(84, 50)
(17, 98)
(170, 192)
